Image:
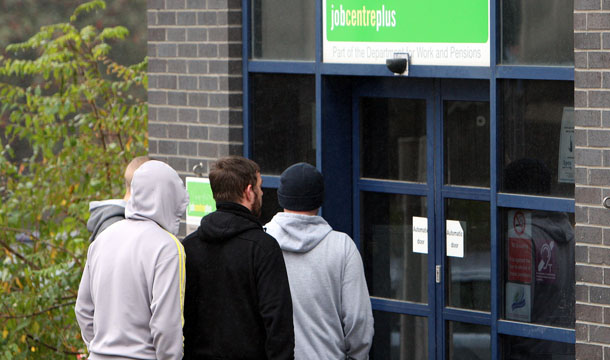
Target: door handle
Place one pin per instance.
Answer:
(438, 274)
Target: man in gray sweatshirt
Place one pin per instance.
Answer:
(331, 305)
(131, 296)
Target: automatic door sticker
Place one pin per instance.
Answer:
(455, 234)
(420, 235)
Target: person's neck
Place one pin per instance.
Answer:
(313, 212)
(246, 204)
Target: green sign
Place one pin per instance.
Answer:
(201, 200)
(400, 21)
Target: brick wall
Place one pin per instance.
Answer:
(592, 137)
(195, 81)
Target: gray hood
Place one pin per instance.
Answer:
(298, 233)
(103, 214)
(157, 194)
(556, 224)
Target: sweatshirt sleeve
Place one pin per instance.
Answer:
(167, 305)
(356, 306)
(275, 305)
(84, 307)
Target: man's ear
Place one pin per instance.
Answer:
(249, 193)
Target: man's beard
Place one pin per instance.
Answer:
(257, 207)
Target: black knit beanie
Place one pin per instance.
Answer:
(301, 188)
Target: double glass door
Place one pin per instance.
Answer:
(422, 215)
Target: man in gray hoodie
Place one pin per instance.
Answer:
(331, 305)
(131, 295)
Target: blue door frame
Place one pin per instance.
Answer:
(434, 92)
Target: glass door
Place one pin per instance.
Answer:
(421, 215)
(463, 242)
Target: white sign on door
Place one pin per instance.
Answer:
(420, 235)
(455, 234)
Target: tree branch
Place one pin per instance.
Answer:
(61, 248)
(17, 254)
(51, 347)
(31, 234)
(12, 229)
(23, 316)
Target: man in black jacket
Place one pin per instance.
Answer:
(237, 303)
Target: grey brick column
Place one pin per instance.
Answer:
(592, 137)
(195, 81)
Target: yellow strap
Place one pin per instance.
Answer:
(182, 271)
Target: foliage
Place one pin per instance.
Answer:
(21, 18)
(83, 123)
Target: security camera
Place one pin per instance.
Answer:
(399, 64)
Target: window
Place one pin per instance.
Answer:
(466, 143)
(538, 131)
(394, 139)
(538, 248)
(283, 30)
(392, 268)
(401, 337)
(537, 32)
(518, 348)
(283, 120)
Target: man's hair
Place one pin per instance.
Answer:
(230, 176)
(133, 165)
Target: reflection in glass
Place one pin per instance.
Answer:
(270, 205)
(393, 138)
(468, 341)
(538, 124)
(537, 32)
(519, 348)
(466, 143)
(399, 337)
(392, 269)
(283, 121)
(538, 248)
(283, 30)
(468, 284)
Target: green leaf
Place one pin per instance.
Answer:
(88, 7)
(117, 32)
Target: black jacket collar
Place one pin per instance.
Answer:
(237, 209)
(228, 221)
